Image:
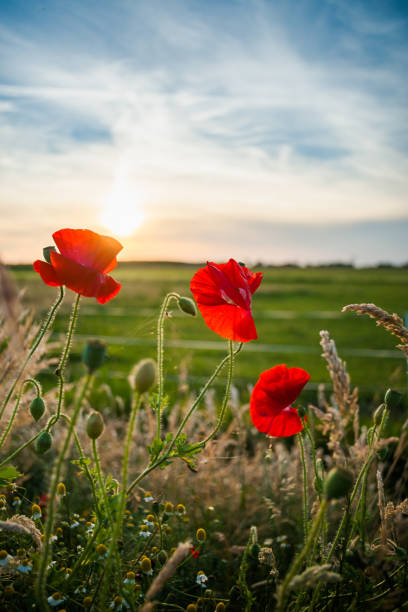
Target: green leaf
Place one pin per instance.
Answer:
(9, 472)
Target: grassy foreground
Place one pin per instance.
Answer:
(290, 308)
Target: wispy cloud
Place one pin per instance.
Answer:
(238, 109)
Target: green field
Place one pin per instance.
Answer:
(290, 308)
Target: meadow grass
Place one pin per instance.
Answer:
(290, 308)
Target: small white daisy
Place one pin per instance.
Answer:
(74, 524)
(56, 599)
(5, 558)
(201, 579)
(24, 567)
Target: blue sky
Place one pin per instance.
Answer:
(198, 130)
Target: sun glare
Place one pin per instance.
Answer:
(121, 210)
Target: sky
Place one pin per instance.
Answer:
(201, 130)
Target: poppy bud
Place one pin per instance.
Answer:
(94, 425)
(37, 408)
(187, 305)
(94, 355)
(47, 251)
(392, 399)
(145, 375)
(43, 442)
(338, 483)
(162, 557)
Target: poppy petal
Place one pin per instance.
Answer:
(88, 248)
(283, 384)
(47, 273)
(204, 289)
(271, 399)
(83, 280)
(286, 423)
(230, 322)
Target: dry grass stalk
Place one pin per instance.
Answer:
(345, 398)
(391, 322)
(167, 571)
(22, 524)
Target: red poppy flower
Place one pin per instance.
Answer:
(82, 264)
(223, 293)
(194, 552)
(272, 398)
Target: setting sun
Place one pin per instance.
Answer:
(121, 210)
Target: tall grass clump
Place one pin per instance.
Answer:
(194, 503)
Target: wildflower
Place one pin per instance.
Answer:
(74, 524)
(180, 509)
(149, 521)
(102, 551)
(195, 553)
(201, 578)
(148, 497)
(130, 578)
(89, 527)
(61, 489)
(52, 564)
(168, 508)
(118, 603)
(220, 607)
(82, 264)
(144, 532)
(201, 534)
(191, 608)
(56, 599)
(24, 567)
(60, 533)
(87, 602)
(146, 566)
(5, 558)
(35, 512)
(16, 502)
(271, 401)
(223, 293)
(68, 572)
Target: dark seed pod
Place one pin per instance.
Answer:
(145, 375)
(187, 305)
(338, 483)
(43, 442)
(37, 408)
(94, 355)
(94, 425)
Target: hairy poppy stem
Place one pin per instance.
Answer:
(305, 501)
(40, 335)
(49, 523)
(117, 524)
(363, 470)
(226, 396)
(160, 354)
(297, 563)
(18, 400)
(114, 553)
(64, 357)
